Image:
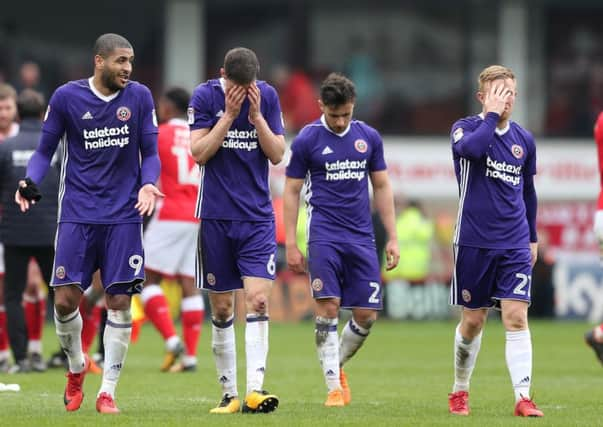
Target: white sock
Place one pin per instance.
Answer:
(34, 346)
(225, 354)
(172, 343)
(116, 338)
(149, 291)
(465, 355)
(518, 352)
(69, 333)
(256, 348)
(352, 338)
(328, 350)
(188, 360)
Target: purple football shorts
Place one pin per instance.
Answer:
(346, 271)
(228, 250)
(115, 249)
(482, 277)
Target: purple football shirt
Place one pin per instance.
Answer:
(103, 137)
(336, 168)
(234, 182)
(492, 211)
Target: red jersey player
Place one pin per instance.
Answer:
(594, 337)
(171, 236)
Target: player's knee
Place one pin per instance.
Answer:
(64, 306)
(515, 320)
(366, 321)
(471, 326)
(257, 302)
(66, 302)
(328, 308)
(222, 310)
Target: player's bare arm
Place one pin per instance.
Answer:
(534, 252)
(272, 145)
(206, 142)
(384, 202)
(295, 259)
(147, 198)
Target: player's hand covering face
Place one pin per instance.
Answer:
(147, 197)
(499, 97)
(253, 93)
(235, 95)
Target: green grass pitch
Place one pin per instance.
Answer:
(400, 378)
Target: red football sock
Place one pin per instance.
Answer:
(41, 316)
(35, 311)
(90, 323)
(3, 330)
(157, 310)
(191, 330)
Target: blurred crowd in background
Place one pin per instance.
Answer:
(413, 62)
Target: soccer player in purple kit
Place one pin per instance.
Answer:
(110, 164)
(236, 128)
(495, 241)
(336, 156)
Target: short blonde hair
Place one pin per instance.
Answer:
(7, 91)
(494, 72)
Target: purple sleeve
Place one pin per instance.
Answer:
(199, 110)
(531, 202)
(530, 166)
(40, 160)
(529, 191)
(150, 165)
(274, 116)
(377, 162)
(474, 144)
(149, 117)
(298, 164)
(54, 119)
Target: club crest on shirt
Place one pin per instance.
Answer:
(211, 279)
(517, 151)
(317, 284)
(360, 145)
(60, 272)
(466, 295)
(123, 114)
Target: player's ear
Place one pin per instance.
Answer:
(480, 97)
(222, 73)
(98, 61)
(321, 105)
